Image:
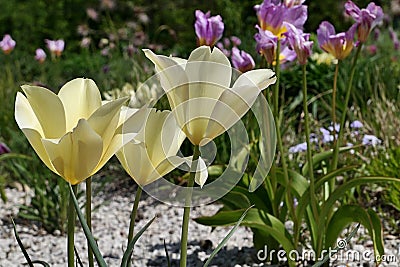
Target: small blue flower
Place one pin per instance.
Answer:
(326, 135)
(298, 148)
(356, 124)
(370, 139)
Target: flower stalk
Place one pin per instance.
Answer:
(133, 217)
(344, 112)
(278, 133)
(71, 229)
(88, 210)
(186, 210)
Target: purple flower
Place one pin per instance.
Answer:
(366, 18)
(208, 29)
(370, 139)
(7, 44)
(356, 124)
(40, 55)
(56, 47)
(297, 16)
(299, 42)
(298, 148)
(272, 15)
(326, 135)
(339, 45)
(4, 148)
(242, 60)
(313, 138)
(235, 41)
(337, 127)
(266, 44)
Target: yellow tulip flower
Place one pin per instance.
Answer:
(73, 133)
(153, 152)
(200, 93)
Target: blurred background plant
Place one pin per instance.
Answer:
(103, 41)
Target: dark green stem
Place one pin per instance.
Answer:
(309, 150)
(288, 196)
(89, 217)
(186, 211)
(344, 112)
(133, 216)
(71, 229)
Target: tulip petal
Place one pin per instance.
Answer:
(25, 116)
(35, 139)
(165, 167)
(76, 154)
(260, 78)
(201, 172)
(134, 159)
(217, 66)
(80, 98)
(104, 120)
(118, 141)
(48, 109)
(171, 74)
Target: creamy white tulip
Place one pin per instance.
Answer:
(73, 133)
(200, 93)
(153, 152)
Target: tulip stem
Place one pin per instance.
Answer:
(186, 210)
(133, 217)
(277, 118)
(344, 112)
(89, 217)
(309, 151)
(71, 229)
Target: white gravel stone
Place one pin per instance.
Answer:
(110, 227)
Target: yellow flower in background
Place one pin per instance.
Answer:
(153, 152)
(73, 133)
(200, 93)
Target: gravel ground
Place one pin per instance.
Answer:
(110, 226)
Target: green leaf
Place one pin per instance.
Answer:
(223, 242)
(26, 255)
(86, 230)
(298, 182)
(327, 206)
(255, 219)
(129, 249)
(317, 158)
(353, 213)
(338, 247)
(236, 200)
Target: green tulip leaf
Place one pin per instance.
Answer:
(255, 219)
(226, 238)
(129, 249)
(353, 213)
(337, 248)
(86, 230)
(317, 158)
(26, 255)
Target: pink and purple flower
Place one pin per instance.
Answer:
(7, 44)
(241, 60)
(208, 29)
(366, 18)
(337, 44)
